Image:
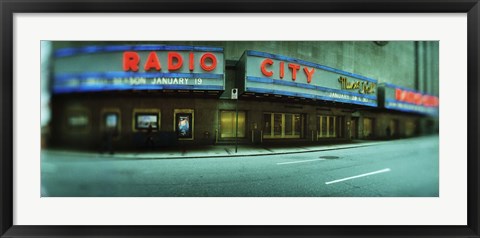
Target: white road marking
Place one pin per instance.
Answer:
(301, 161)
(358, 176)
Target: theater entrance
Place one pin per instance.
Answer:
(354, 128)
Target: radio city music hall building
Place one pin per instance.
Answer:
(154, 94)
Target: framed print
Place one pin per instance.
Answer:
(231, 118)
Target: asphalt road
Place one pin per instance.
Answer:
(401, 168)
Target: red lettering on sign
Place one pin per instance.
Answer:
(416, 98)
(130, 61)
(295, 68)
(309, 74)
(282, 69)
(191, 64)
(264, 69)
(171, 64)
(399, 94)
(152, 62)
(212, 58)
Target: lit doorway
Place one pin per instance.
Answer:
(228, 124)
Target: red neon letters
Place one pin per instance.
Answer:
(191, 62)
(264, 69)
(203, 62)
(132, 60)
(416, 98)
(294, 68)
(309, 74)
(172, 57)
(152, 62)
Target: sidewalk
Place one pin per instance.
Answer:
(218, 151)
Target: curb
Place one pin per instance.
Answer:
(140, 157)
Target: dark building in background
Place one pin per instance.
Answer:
(135, 95)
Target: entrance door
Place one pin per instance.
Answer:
(354, 128)
(392, 128)
(228, 124)
(367, 128)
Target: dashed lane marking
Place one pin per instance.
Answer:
(359, 176)
(301, 161)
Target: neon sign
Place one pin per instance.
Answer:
(293, 69)
(364, 87)
(131, 61)
(416, 98)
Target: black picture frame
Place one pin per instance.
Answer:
(9, 7)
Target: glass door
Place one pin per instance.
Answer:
(228, 124)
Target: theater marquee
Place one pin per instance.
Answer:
(280, 75)
(138, 67)
(408, 100)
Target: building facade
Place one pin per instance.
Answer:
(135, 95)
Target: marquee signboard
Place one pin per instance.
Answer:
(280, 75)
(408, 100)
(138, 67)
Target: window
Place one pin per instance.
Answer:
(283, 125)
(288, 124)
(298, 122)
(267, 128)
(277, 124)
(330, 126)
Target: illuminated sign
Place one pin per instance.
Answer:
(131, 61)
(403, 99)
(363, 87)
(266, 73)
(294, 68)
(416, 98)
(138, 67)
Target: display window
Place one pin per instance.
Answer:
(110, 120)
(228, 124)
(283, 125)
(77, 120)
(146, 119)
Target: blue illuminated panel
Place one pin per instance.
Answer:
(112, 81)
(310, 80)
(102, 68)
(390, 102)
